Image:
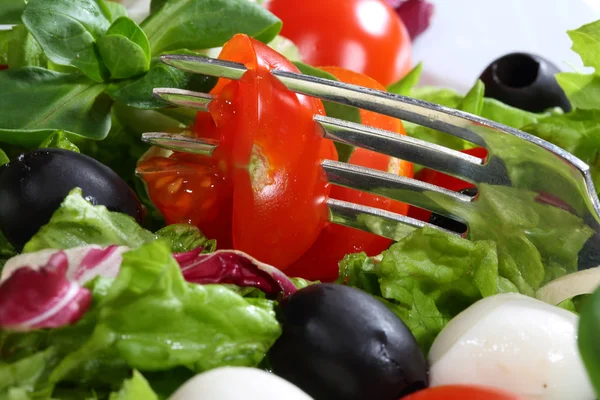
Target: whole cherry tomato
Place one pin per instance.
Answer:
(461, 392)
(335, 241)
(263, 185)
(365, 36)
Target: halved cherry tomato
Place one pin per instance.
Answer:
(365, 36)
(443, 180)
(461, 392)
(335, 241)
(264, 179)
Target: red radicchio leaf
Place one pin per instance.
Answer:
(44, 289)
(43, 298)
(236, 267)
(416, 14)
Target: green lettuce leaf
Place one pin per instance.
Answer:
(136, 388)
(77, 222)
(589, 345)
(58, 140)
(427, 278)
(578, 132)
(184, 237)
(3, 158)
(405, 86)
(149, 307)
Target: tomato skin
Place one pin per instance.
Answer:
(445, 181)
(335, 241)
(266, 167)
(461, 392)
(367, 35)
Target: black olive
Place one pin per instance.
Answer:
(339, 343)
(33, 186)
(449, 223)
(524, 81)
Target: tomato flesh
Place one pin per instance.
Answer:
(267, 162)
(335, 241)
(461, 392)
(367, 35)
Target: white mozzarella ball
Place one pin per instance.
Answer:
(237, 383)
(516, 343)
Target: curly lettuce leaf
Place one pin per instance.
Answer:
(183, 238)
(212, 325)
(77, 223)
(427, 278)
(135, 388)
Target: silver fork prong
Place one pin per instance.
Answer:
(380, 222)
(205, 65)
(401, 188)
(440, 158)
(176, 142)
(184, 98)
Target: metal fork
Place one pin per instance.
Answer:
(530, 192)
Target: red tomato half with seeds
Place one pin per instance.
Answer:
(335, 241)
(263, 190)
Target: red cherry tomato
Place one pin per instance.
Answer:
(335, 241)
(445, 181)
(263, 185)
(2, 67)
(461, 392)
(365, 36)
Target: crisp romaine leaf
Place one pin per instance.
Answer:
(58, 140)
(589, 345)
(204, 24)
(428, 277)
(43, 298)
(78, 223)
(149, 307)
(10, 11)
(334, 110)
(23, 50)
(586, 43)
(24, 374)
(234, 267)
(3, 158)
(507, 115)
(582, 90)
(577, 132)
(138, 92)
(125, 49)
(405, 85)
(36, 101)
(67, 31)
(473, 100)
(136, 388)
(184, 237)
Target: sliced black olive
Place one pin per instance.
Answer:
(339, 343)
(33, 186)
(524, 81)
(449, 223)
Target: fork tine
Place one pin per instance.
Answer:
(205, 65)
(437, 157)
(396, 187)
(183, 143)
(383, 223)
(184, 98)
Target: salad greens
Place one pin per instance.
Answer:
(81, 77)
(211, 325)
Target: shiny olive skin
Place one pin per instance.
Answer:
(449, 223)
(339, 343)
(524, 81)
(33, 186)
